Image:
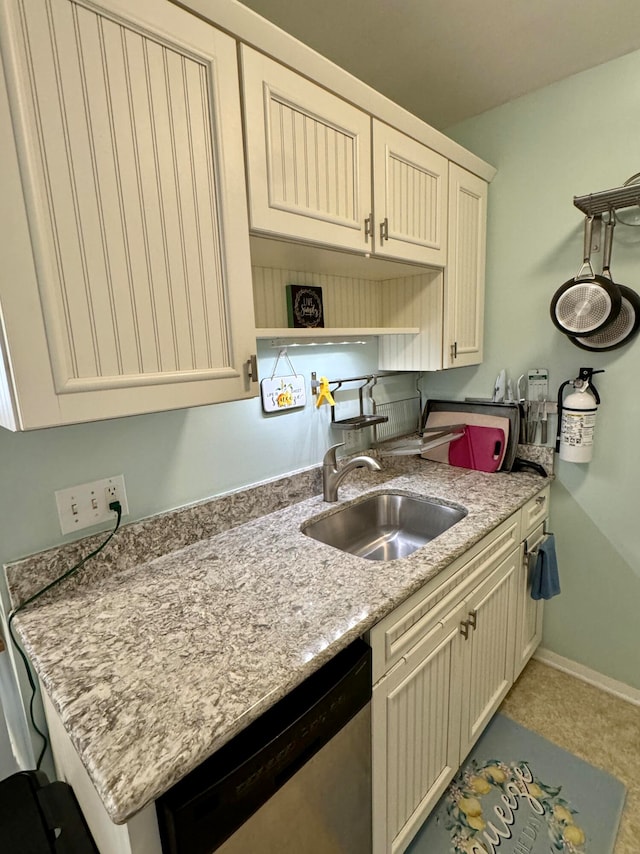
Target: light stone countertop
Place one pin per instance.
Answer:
(152, 667)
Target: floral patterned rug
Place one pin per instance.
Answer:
(518, 793)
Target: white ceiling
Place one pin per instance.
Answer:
(448, 60)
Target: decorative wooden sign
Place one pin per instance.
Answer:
(304, 307)
(281, 393)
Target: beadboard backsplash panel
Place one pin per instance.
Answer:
(357, 302)
(347, 301)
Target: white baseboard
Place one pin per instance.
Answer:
(599, 680)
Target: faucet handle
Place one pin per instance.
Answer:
(330, 456)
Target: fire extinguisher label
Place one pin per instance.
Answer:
(577, 428)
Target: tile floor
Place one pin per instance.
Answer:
(590, 723)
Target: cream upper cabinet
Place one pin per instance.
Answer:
(465, 268)
(123, 222)
(311, 157)
(451, 309)
(410, 185)
(308, 157)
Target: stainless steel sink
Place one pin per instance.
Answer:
(384, 526)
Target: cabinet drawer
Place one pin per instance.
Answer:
(395, 635)
(535, 511)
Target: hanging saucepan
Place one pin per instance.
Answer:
(585, 304)
(621, 330)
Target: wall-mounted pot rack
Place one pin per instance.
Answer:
(626, 324)
(617, 199)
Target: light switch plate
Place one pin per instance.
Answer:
(87, 504)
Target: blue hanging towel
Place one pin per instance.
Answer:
(543, 568)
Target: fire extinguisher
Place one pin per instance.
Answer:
(577, 418)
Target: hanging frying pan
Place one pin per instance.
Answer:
(585, 304)
(621, 330)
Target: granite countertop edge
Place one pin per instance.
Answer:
(154, 667)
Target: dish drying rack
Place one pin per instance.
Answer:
(431, 437)
(390, 419)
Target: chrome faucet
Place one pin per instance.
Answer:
(332, 477)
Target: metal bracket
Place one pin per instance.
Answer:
(608, 200)
(533, 549)
(252, 368)
(596, 235)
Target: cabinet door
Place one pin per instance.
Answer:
(415, 735)
(529, 612)
(464, 276)
(410, 198)
(129, 149)
(488, 649)
(308, 157)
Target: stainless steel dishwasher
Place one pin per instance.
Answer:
(295, 781)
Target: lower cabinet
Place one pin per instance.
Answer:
(443, 662)
(415, 719)
(488, 630)
(529, 612)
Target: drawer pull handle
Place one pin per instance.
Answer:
(464, 629)
(540, 500)
(473, 619)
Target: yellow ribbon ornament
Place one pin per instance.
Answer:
(324, 394)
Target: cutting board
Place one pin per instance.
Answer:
(506, 417)
(481, 449)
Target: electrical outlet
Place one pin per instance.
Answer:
(87, 504)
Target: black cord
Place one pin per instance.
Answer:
(117, 508)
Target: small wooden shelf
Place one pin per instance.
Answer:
(335, 331)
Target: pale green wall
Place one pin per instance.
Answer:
(170, 458)
(575, 137)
